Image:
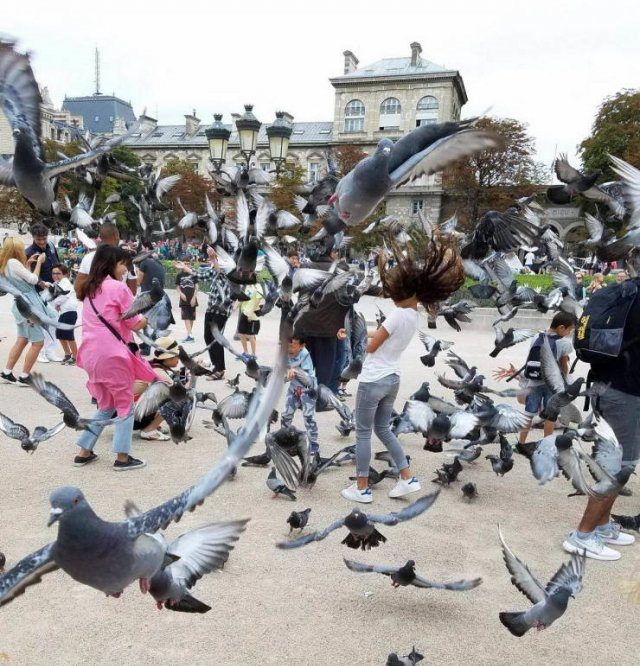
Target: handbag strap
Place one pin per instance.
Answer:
(108, 325)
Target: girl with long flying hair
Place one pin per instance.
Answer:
(106, 356)
(427, 277)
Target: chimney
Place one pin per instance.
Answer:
(191, 123)
(350, 62)
(416, 50)
(287, 117)
(147, 124)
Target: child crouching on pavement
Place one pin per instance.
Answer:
(299, 397)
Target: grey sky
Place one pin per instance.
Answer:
(548, 63)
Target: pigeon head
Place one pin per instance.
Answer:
(64, 501)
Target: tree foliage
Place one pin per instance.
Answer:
(615, 131)
(191, 189)
(491, 179)
(347, 156)
(285, 186)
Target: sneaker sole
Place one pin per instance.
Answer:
(129, 468)
(84, 464)
(404, 493)
(570, 548)
(359, 500)
(615, 542)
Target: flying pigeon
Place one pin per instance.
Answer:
(28, 441)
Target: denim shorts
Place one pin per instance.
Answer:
(537, 399)
(622, 413)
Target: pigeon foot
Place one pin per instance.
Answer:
(144, 585)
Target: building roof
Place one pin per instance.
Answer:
(395, 67)
(99, 112)
(175, 136)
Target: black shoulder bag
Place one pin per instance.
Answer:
(132, 346)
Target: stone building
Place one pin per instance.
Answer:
(56, 124)
(387, 98)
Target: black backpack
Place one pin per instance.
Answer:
(531, 369)
(600, 334)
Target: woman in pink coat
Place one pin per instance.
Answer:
(106, 357)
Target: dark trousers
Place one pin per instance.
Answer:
(216, 351)
(323, 355)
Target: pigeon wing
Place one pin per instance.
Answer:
(203, 550)
(569, 575)
(453, 586)
(409, 512)
(462, 423)
(420, 415)
(27, 572)
(427, 340)
(234, 406)
(441, 153)
(44, 435)
(257, 417)
(508, 419)
(564, 171)
(286, 466)
(549, 368)
(521, 576)
(277, 265)
(569, 463)
(156, 394)
(360, 567)
(13, 430)
(52, 394)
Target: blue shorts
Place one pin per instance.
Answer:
(537, 399)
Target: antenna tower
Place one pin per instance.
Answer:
(97, 72)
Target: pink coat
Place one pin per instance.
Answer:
(111, 366)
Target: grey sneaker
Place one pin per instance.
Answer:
(131, 463)
(610, 533)
(592, 545)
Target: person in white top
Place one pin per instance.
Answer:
(66, 305)
(13, 266)
(428, 280)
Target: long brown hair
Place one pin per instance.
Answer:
(103, 265)
(431, 274)
(13, 248)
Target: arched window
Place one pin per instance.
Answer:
(427, 111)
(390, 106)
(354, 116)
(390, 114)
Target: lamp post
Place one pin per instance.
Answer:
(279, 134)
(248, 127)
(218, 138)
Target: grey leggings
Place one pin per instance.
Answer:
(374, 403)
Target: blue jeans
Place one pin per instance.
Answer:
(537, 399)
(123, 432)
(374, 404)
(339, 365)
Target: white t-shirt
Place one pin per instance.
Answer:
(65, 302)
(529, 258)
(401, 325)
(85, 264)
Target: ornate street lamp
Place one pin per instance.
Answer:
(218, 138)
(248, 127)
(279, 134)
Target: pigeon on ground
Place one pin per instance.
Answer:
(234, 382)
(298, 520)
(410, 659)
(110, 556)
(3, 561)
(70, 416)
(278, 487)
(550, 602)
(628, 522)
(374, 476)
(406, 575)
(448, 473)
(361, 526)
(28, 441)
(469, 491)
(425, 150)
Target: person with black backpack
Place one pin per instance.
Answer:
(608, 339)
(559, 336)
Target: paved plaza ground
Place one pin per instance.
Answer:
(304, 606)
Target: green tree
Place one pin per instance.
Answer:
(491, 179)
(285, 186)
(615, 131)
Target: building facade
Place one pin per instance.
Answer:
(105, 115)
(56, 124)
(388, 98)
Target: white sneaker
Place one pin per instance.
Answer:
(611, 533)
(354, 494)
(53, 358)
(42, 359)
(405, 487)
(593, 547)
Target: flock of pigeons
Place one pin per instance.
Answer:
(109, 556)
